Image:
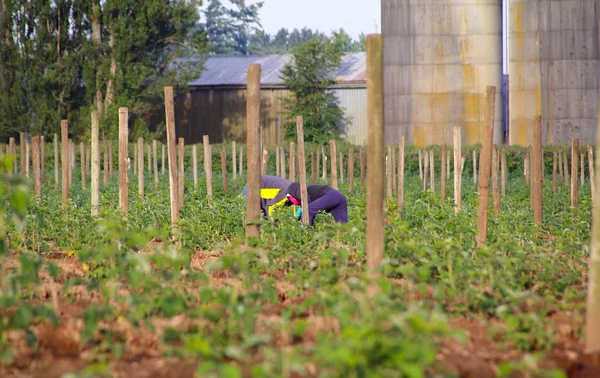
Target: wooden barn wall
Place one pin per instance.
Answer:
(221, 114)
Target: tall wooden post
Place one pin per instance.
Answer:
(457, 169)
(362, 162)
(253, 143)
(590, 152)
(123, 160)
(22, 153)
(95, 168)
(582, 169)
(537, 170)
(495, 184)
(56, 161)
(181, 172)
(421, 164)
(302, 169)
(224, 169)
(425, 170)
(155, 161)
(351, 169)
(43, 159)
(27, 153)
(333, 154)
(375, 194)
(292, 161)
(504, 171)
(554, 172)
(149, 154)
(313, 173)
(172, 157)
(432, 171)
(388, 173)
(592, 326)
(140, 166)
(195, 164)
(82, 159)
(208, 165)
(265, 162)
(443, 173)
(233, 160)
(37, 179)
(574, 187)
(484, 167)
(401, 174)
(64, 132)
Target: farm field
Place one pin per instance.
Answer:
(115, 296)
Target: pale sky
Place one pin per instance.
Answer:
(355, 16)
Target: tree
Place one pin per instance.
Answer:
(309, 78)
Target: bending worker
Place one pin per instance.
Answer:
(272, 193)
(320, 198)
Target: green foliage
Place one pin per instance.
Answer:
(309, 78)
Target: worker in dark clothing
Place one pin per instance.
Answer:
(320, 198)
(272, 193)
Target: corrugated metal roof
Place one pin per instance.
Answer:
(232, 70)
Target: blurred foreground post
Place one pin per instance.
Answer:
(253, 146)
(375, 153)
(485, 166)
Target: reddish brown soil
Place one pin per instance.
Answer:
(59, 349)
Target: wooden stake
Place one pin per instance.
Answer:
(22, 153)
(140, 166)
(401, 174)
(431, 172)
(234, 161)
(421, 176)
(351, 169)
(37, 179)
(341, 168)
(155, 161)
(82, 160)
(195, 164)
(181, 172)
(582, 169)
(388, 173)
(554, 173)
(443, 174)
(574, 187)
(495, 184)
(504, 171)
(43, 158)
(363, 164)
(172, 157)
(27, 153)
(253, 143)
(394, 168)
(292, 161)
(448, 159)
(333, 154)
(265, 162)
(590, 152)
(425, 169)
(208, 166)
(537, 170)
(592, 326)
(64, 131)
(302, 169)
(56, 161)
(224, 169)
(457, 171)
(313, 173)
(95, 160)
(474, 167)
(485, 166)
(376, 154)
(123, 160)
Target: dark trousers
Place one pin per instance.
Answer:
(332, 202)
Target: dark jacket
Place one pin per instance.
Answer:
(314, 191)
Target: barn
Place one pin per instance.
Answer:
(216, 103)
